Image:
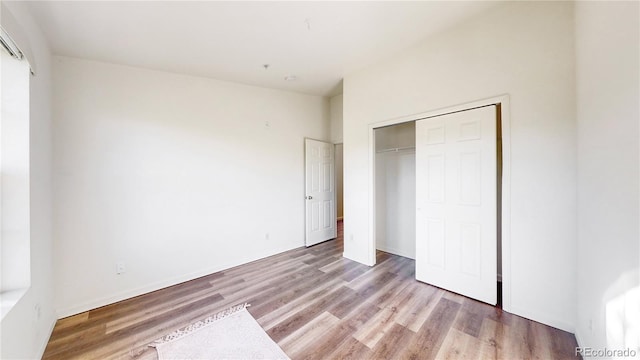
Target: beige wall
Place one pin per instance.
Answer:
(176, 176)
(335, 106)
(608, 93)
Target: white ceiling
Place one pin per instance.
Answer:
(318, 42)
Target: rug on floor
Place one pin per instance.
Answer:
(229, 334)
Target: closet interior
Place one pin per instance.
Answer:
(395, 182)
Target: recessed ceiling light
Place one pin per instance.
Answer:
(291, 78)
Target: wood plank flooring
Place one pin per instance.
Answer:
(317, 305)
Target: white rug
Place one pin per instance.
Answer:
(231, 334)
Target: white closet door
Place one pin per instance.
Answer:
(456, 198)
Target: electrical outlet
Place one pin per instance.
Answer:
(120, 267)
(266, 236)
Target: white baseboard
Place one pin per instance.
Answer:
(354, 258)
(127, 294)
(43, 346)
(579, 339)
(543, 319)
(397, 252)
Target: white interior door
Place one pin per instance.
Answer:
(320, 192)
(456, 199)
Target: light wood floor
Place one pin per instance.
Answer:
(317, 305)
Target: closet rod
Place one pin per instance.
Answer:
(396, 149)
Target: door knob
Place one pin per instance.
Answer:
(309, 197)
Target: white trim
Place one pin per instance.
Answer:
(371, 248)
(544, 319)
(578, 338)
(356, 259)
(94, 304)
(441, 111)
(505, 276)
(10, 298)
(395, 251)
(43, 345)
(503, 100)
(335, 182)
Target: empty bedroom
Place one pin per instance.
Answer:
(319, 180)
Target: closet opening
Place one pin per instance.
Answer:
(395, 214)
(395, 182)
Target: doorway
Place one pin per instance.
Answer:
(320, 192)
(339, 181)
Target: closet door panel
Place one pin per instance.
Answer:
(456, 203)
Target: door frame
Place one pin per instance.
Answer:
(335, 145)
(505, 204)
